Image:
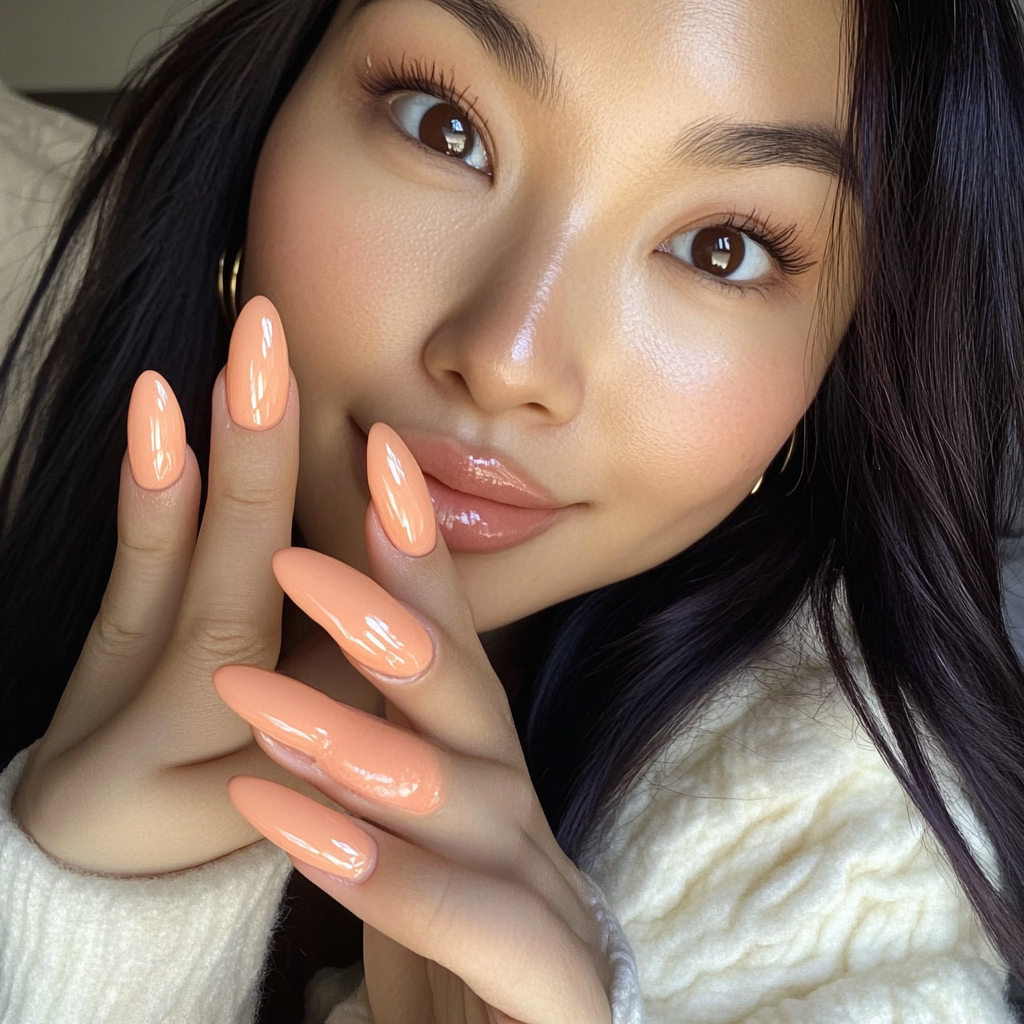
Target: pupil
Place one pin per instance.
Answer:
(718, 251)
(445, 129)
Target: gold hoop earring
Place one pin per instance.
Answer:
(789, 456)
(227, 285)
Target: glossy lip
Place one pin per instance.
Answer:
(477, 525)
(482, 503)
(479, 474)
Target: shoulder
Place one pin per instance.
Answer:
(769, 850)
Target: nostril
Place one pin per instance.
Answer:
(457, 381)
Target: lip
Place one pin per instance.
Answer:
(479, 474)
(482, 502)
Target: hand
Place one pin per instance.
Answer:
(130, 776)
(472, 912)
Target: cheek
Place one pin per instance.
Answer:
(703, 402)
(325, 248)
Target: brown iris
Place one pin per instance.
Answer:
(446, 129)
(719, 251)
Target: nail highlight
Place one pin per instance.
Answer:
(257, 373)
(156, 433)
(360, 751)
(307, 830)
(366, 622)
(399, 492)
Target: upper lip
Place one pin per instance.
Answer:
(478, 472)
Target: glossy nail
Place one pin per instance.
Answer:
(362, 752)
(156, 433)
(257, 373)
(399, 492)
(366, 622)
(307, 830)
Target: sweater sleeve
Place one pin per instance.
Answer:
(182, 948)
(768, 869)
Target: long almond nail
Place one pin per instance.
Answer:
(156, 433)
(307, 830)
(366, 622)
(399, 492)
(362, 752)
(257, 373)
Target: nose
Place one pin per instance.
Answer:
(511, 344)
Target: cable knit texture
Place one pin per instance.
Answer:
(769, 869)
(182, 948)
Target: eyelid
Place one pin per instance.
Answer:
(382, 79)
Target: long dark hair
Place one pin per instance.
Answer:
(908, 467)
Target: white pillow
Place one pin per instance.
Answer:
(40, 152)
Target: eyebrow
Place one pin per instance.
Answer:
(741, 144)
(511, 43)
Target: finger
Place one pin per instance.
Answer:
(438, 678)
(410, 560)
(398, 979)
(447, 687)
(231, 609)
(156, 533)
(502, 939)
(459, 807)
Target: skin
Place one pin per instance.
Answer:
(538, 311)
(531, 311)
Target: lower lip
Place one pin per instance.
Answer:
(474, 524)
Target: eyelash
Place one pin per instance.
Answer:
(417, 76)
(779, 242)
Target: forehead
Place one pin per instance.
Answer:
(739, 57)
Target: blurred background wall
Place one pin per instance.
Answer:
(52, 49)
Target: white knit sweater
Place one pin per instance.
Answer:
(767, 869)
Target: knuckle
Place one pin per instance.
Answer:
(252, 500)
(114, 638)
(227, 641)
(151, 545)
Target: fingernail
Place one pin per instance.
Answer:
(257, 373)
(366, 622)
(156, 433)
(399, 492)
(305, 829)
(362, 752)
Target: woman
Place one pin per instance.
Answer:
(704, 323)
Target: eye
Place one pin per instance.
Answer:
(722, 252)
(441, 127)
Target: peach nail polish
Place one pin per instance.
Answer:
(257, 373)
(362, 752)
(366, 622)
(156, 433)
(399, 492)
(307, 830)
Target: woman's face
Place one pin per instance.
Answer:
(570, 250)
